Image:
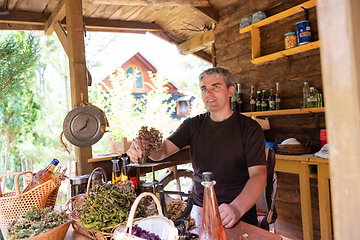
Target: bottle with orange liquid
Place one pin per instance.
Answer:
(116, 173)
(42, 175)
(211, 226)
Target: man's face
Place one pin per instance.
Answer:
(215, 94)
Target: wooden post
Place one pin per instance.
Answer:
(338, 22)
(78, 83)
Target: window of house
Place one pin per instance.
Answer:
(183, 107)
(139, 80)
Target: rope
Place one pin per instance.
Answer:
(84, 103)
(62, 142)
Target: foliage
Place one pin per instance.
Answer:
(125, 120)
(18, 54)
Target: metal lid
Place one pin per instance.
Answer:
(207, 176)
(84, 178)
(289, 33)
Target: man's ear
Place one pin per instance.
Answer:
(231, 90)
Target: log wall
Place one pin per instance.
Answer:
(233, 51)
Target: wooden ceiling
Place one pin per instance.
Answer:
(186, 23)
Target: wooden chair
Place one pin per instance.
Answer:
(265, 206)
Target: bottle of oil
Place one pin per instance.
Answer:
(134, 176)
(252, 99)
(238, 97)
(42, 175)
(277, 97)
(258, 101)
(116, 172)
(211, 226)
(123, 174)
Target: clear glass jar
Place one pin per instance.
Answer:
(290, 40)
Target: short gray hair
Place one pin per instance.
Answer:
(225, 73)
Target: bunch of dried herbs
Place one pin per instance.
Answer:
(35, 222)
(107, 206)
(148, 141)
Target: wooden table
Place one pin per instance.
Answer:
(299, 164)
(241, 230)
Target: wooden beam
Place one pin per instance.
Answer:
(77, 63)
(340, 61)
(209, 12)
(56, 16)
(27, 21)
(25, 18)
(203, 56)
(197, 43)
(194, 3)
(104, 24)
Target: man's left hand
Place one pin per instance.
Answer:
(229, 215)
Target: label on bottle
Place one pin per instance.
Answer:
(277, 100)
(272, 105)
(252, 101)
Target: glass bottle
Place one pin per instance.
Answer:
(123, 174)
(272, 100)
(319, 102)
(43, 175)
(312, 99)
(258, 101)
(116, 173)
(252, 99)
(233, 100)
(134, 176)
(306, 91)
(211, 226)
(277, 97)
(264, 101)
(238, 97)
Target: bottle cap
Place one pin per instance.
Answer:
(114, 158)
(123, 155)
(207, 176)
(55, 162)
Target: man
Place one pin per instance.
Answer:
(224, 142)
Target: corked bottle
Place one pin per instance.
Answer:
(211, 226)
(42, 175)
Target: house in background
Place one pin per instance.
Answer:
(140, 65)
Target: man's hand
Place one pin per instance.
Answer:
(229, 215)
(134, 152)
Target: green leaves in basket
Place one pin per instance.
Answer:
(107, 206)
(35, 222)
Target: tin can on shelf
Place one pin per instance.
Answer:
(79, 183)
(290, 40)
(303, 32)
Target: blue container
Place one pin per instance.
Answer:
(303, 32)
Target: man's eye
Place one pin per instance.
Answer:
(216, 87)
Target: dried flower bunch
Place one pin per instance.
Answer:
(35, 222)
(148, 141)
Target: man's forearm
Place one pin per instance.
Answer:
(251, 192)
(167, 148)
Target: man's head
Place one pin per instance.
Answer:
(216, 89)
(225, 73)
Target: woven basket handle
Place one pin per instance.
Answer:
(134, 207)
(18, 174)
(91, 175)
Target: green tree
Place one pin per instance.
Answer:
(18, 58)
(126, 115)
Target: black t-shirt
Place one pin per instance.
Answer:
(224, 148)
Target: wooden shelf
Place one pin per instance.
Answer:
(255, 35)
(287, 52)
(286, 112)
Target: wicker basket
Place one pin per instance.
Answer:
(14, 204)
(158, 224)
(75, 206)
(57, 233)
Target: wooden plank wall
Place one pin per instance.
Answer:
(233, 51)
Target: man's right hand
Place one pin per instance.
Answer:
(134, 152)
